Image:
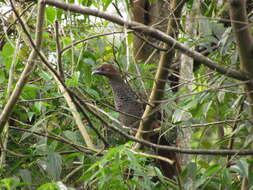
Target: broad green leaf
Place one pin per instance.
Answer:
(49, 186)
(85, 2)
(74, 80)
(221, 96)
(86, 71)
(45, 75)
(7, 55)
(191, 170)
(71, 136)
(92, 92)
(106, 3)
(62, 186)
(2, 76)
(226, 178)
(180, 115)
(243, 167)
(30, 91)
(206, 108)
(114, 114)
(9, 183)
(54, 165)
(26, 177)
(210, 171)
(35, 127)
(6, 183)
(51, 13)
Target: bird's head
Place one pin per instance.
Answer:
(107, 70)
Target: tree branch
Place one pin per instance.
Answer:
(244, 41)
(153, 33)
(27, 70)
(162, 73)
(222, 152)
(75, 146)
(58, 79)
(119, 130)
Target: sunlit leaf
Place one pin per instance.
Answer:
(51, 14)
(7, 55)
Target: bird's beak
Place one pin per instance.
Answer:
(95, 72)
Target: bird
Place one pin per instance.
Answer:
(130, 109)
(125, 99)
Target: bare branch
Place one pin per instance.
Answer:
(223, 152)
(58, 79)
(27, 70)
(60, 139)
(153, 33)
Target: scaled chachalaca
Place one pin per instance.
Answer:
(131, 110)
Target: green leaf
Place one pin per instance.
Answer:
(87, 54)
(243, 167)
(203, 164)
(35, 127)
(181, 115)
(85, 2)
(210, 171)
(114, 114)
(38, 106)
(74, 80)
(72, 136)
(191, 170)
(30, 91)
(59, 14)
(208, 175)
(2, 76)
(106, 3)
(92, 92)
(9, 183)
(226, 178)
(206, 144)
(51, 14)
(7, 54)
(221, 96)
(206, 108)
(86, 71)
(54, 165)
(49, 186)
(46, 76)
(6, 183)
(25, 174)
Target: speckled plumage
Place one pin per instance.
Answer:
(126, 100)
(127, 103)
(131, 110)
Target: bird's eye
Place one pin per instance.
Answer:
(105, 69)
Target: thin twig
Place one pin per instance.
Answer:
(169, 161)
(58, 53)
(60, 139)
(153, 33)
(8, 108)
(222, 152)
(89, 38)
